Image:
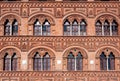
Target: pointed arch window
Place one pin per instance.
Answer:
(111, 62)
(71, 61)
(98, 28)
(15, 28)
(107, 62)
(114, 28)
(46, 62)
(14, 62)
(7, 28)
(103, 61)
(79, 61)
(11, 28)
(10, 62)
(83, 27)
(75, 27)
(106, 28)
(37, 28)
(37, 62)
(46, 28)
(67, 28)
(7, 62)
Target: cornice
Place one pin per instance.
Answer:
(60, 74)
(60, 4)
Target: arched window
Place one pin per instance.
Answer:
(98, 28)
(83, 27)
(37, 62)
(103, 61)
(106, 28)
(37, 28)
(107, 62)
(14, 62)
(114, 28)
(67, 28)
(15, 27)
(71, 62)
(7, 28)
(79, 62)
(75, 27)
(46, 28)
(46, 62)
(111, 62)
(7, 62)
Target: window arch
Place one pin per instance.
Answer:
(10, 28)
(106, 25)
(75, 62)
(41, 62)
(10, 62)
(75, 28)
(107, 62)
(41, 29)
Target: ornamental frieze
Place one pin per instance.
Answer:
(59, 9)
(59, 43)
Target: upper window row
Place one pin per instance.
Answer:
(74, 28)
(63, 0)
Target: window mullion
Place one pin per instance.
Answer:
(10, 29)
(41, 64)
(110, 29)
(75, 63)
(41, 29)
(107, 64)
(70, 29)
(79, 30)
(102, 29)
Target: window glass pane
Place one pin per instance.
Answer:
(15, 28)
(66, 28)
(79, 62)
(83, 27)
(7, 62)
(46, 28)
(37, 28)
(46, 62)
(114, 28)
(106, 28)
(103, 61)
(111, 61)
(7, 28)
(14, 62)
(75, 27)
(71, 62)
(98, 28)
(37, 62)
